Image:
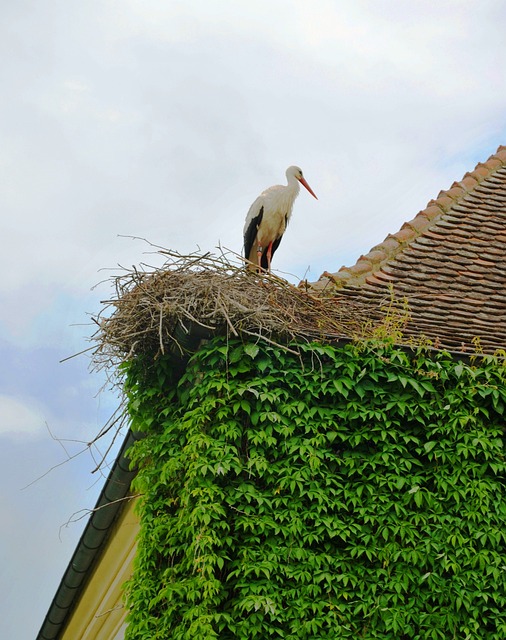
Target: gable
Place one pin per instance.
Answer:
(99, 614)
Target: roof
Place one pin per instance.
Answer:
(448, 264)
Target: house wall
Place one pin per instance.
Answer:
(99, 614)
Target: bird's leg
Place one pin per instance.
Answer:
(259, 257)
(269, 257)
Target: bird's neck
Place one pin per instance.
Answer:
(286, 197)
(293, 186)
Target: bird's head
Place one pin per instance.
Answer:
(296, 172)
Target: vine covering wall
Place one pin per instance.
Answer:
(322, 492)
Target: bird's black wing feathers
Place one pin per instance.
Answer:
(275, 244)
(251, 232)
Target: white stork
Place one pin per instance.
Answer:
(268, 218)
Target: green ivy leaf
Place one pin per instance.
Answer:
(344, 492)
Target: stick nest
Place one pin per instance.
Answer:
(155, 311)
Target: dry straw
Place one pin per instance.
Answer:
(158, 310)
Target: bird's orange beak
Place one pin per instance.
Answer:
(302, 181)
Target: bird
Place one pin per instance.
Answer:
(268, 218)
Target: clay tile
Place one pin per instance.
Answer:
(375, 256)
(404, 235)
(336, 281)
(480, 172)
(493, 163)
(444, 200)
(372, 279)
(389, 245)
(326, 283)
(455, 192)
(419, 223)
(501, 154)
(432, 212)
(319, 285)
(436, 203)
(362, 266)
(326, 279)
(468, 182)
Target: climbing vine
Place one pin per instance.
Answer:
(322, 492)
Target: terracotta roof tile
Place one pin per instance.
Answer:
(469, 182)
(449, 263)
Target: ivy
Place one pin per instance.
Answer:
(344, 492)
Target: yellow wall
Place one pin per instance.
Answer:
(99, 614)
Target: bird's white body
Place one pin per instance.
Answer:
(277, 202)
(268, 218)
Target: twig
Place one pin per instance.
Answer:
(87, 512)
(160, 330)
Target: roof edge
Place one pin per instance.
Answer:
(371, 262)
(89, 548)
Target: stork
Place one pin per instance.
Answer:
(268, 218)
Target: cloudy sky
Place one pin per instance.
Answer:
(164, 120)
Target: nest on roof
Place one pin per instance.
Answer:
(155, 311)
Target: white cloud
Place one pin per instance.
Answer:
(19, 418)
(142, 115)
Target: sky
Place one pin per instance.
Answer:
(163, 120)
